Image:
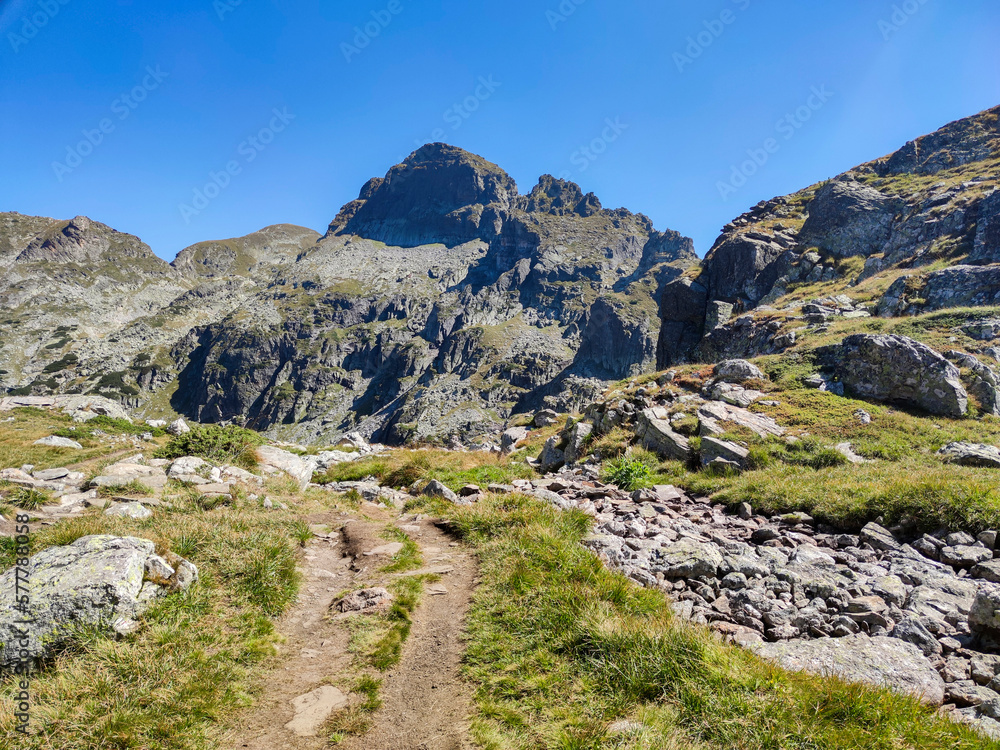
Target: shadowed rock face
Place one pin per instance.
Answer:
(936, 198)
(439, 302)
(437, 195)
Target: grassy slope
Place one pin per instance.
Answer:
(905, 482)
(559, 648)
(199, 655)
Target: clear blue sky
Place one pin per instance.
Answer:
(555, 79)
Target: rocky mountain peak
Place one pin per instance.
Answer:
(82, 240)
(560, 197)
(956, 144)
(436, 195)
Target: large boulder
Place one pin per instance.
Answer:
(94, 582)
(737, 371)
(576, 441)
(971, 454)
(899, 369)
(551, 457)
(880, 661)
(53, 441)
(654, 431)
(847, 218)
(984, 615)
(300, 468)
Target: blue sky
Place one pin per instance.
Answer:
(278, 112)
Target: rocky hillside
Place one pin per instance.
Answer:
(915, 231)
(439, 302)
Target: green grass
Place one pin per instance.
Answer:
(356, 719)
(28, 499)
(408, 558)
(109, 426)
(234, 445)
(404, 467)
(17, 441)
(560, 647)
(133, 487)
(199, 655)
(629, 472)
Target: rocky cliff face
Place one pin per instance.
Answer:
(931, 205)
(438, 303)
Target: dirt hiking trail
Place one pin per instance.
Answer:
(425, 704)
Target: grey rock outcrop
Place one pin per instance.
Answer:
(90, 583)
(972, 454)
(737, 371)
(879, 661)
(899, 369)
(871, 211)
(847, 218)
(653, 430)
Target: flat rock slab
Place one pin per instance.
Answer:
(393, 548)
(314, 708)
(59, 442)
(880, 661)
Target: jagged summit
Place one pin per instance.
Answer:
(431, 197)
(442, 194)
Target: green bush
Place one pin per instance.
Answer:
(235, 445)
(629, 472)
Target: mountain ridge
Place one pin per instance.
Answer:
(442, 300)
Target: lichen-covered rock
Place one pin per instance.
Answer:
(879, 661)
(511, 437)
(654, 431)
(89, 583)
(365, 600)
(54, 441)
(551, 457)
(737, 371)
(984, 615)
(435, 488)
(576, 440)
(899, 369)
(847, 218)
(689, 559)
(300, 468)
(957, 286)
(726, 450)
(972, 454)
(178, 427)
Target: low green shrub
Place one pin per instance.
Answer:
(629, 472)
(231, 444)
